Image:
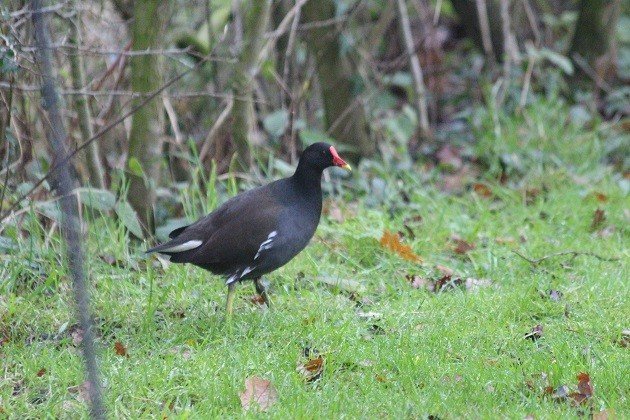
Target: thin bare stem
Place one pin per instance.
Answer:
(537, 261)
(416, 69)
(484, 25)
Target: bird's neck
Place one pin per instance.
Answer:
(308, 180)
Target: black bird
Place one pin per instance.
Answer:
(259, 230)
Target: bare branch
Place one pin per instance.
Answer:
(70, 220)
(416, 70)
(537, 261)
(484, 25)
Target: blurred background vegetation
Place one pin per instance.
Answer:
(448, 87)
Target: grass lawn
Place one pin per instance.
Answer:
(393, 348)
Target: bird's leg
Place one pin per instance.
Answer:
(260, 289)
(230, 298)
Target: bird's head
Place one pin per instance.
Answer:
(322, 156)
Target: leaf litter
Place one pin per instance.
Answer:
(392, 242)
(259, 394)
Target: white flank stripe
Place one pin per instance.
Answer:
(247, 270)
(186, 246)
(267, 244)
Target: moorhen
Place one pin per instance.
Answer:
(258, 230)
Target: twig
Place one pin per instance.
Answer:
(282, 28)
(537, 261)
(416, 69)
(527, 79)
(70, 221)
(533, 23)
(112, 67)
(484, 25)
(216, 128)
(172, 118)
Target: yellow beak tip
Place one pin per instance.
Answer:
(347, 167)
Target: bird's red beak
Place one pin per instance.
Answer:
(337, 161)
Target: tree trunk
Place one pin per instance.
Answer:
(344, 116)
(467, 12)
(91, 155)
(594, 35)
(145, 142)
(255, 17)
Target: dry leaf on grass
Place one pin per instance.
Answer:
(120, 349)
(482, 190)
(259, 394)
(447, 282)
(312, 369)
(82, 391)
(257, 300)
(460, 246)
(601, 197)
(41, 372)
(392, 242)
(599, 217)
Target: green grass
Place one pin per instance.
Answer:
(458, 353)
(455, 353)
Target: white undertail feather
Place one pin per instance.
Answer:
(186, 246)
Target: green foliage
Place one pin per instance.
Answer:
(540, 138)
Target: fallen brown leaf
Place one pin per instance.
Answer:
(599, 217)
(41, 372)
(445, 271)
(312, 369)
(392, 242)
(82, 391)
(460, 246)
(259, 394)
(584, 385)
(530, 195)
(257, 300)
(120, 349)
(446, 283)
(417, 282)
(482, 190)
(601, 197)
